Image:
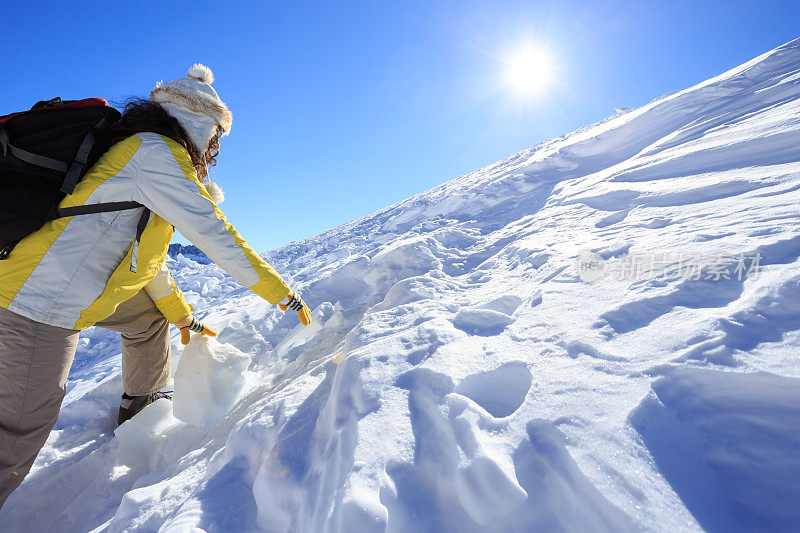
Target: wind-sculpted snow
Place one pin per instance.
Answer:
(465, 372)
(729, 445)
(209, 380)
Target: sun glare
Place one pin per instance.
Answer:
(530, 71)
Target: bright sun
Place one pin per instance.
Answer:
(529, 71)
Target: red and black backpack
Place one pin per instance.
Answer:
(44, 152)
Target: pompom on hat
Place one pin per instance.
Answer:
(195, 104)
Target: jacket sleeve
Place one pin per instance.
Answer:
(167, 296)
(166, 182)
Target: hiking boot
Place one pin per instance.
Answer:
(130, 405)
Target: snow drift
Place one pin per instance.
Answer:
(461, 376)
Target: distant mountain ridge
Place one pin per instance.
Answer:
(190, 252)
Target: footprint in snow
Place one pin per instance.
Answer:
(483, 322)
(611, 219)
(657, 223)
(506, 304)
(500, 391)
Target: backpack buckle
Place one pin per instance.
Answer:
(6, 251)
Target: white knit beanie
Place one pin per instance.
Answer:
(195, 104)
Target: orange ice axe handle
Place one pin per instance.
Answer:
(197, 327)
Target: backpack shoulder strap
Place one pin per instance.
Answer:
(76, 168)
(29, 157)
(89, 209)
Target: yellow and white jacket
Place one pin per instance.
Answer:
(75, 271)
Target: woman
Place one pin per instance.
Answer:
(87, 270)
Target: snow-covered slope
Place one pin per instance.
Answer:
(462, 376)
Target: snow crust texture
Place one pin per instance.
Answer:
(460, 374)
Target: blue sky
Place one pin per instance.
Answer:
(342, 108)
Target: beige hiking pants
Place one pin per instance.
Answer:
(34, 364)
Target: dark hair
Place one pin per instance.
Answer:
(141, 115)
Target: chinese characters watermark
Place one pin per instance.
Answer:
(650, 266)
